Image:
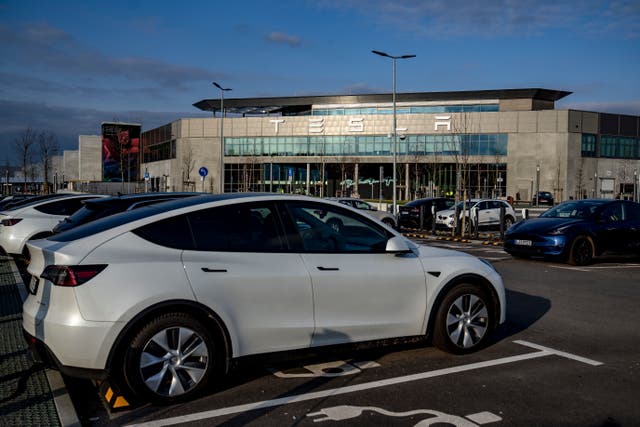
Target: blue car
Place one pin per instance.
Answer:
(577, 231)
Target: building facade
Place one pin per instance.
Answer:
(493, 143)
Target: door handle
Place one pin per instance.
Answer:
(327, 268)
(214, 270)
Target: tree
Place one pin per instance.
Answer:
(461, 125)
(24, 146)
(188, 163)
(48, 143)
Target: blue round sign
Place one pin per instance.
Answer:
(203, 171)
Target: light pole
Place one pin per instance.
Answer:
(395, 132)
(537, 185)
(221, 162)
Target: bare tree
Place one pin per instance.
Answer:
(24, 145)
(188, 163)
(48, 143)
(461, 126)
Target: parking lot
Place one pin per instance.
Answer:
(568, 355)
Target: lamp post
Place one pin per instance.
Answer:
(537, 184)
(395, 131)
(221, 162)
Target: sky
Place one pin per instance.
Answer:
(66, 66)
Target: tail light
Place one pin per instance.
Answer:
(10, 221)
(71, 275)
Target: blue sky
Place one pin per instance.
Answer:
(66, 66)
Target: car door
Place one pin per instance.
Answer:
(243, 269)
(632, 229)
(360, 292)
(617, 230)
(485, 213)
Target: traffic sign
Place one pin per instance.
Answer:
(203, 171)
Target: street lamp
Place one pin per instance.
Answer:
(395, 132)
(221, 162)
(537, 185)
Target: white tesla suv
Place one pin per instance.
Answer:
(35, 220)
(163, 297)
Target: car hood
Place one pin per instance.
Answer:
(542, 225)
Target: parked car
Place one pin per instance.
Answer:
(35, 219)
(11, 202)
(409, 213)
(488, 214)
(367, 208)
(214, 278)
(543, 198)
(93, 209)
(576, 231)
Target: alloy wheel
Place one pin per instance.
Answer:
(467, 321)
(174, 361)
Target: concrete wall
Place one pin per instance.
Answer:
(90, 157)
(70, 165)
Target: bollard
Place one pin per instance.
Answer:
(421, 217)
(475, 213)
(502, 215)
(525, 213)
(433, 219)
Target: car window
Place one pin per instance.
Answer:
(632, 211)
(173, 232)
(324, 228)
(241, 227)
(612, 213)
(574, 209)
(362, 205)
(61, 207)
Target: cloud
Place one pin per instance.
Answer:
(282, 38)
(624, 107)
(447, 18)
(46, 49)
(67, 123)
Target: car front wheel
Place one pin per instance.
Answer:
(170, 359)
(464, 320)
(581, 251)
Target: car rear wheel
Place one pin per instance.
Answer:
(464, 320)
(172, 358)
(508, 222)
(582, 251)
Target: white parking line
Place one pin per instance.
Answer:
(597, 267)
(543, 352)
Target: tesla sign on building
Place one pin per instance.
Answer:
(120, 149)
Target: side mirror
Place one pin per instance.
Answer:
(397, 245)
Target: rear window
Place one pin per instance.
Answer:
(117, 220)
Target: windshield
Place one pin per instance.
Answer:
(468, 204)
(577, 209)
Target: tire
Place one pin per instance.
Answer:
(582, 251)
(508, 222)
(172, 358)
(336, 224)
(464, 320)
